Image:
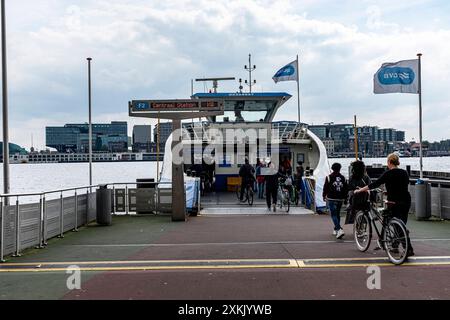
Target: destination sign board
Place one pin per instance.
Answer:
(176, 105)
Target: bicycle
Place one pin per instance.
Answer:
(295, 194)
(248, 194)
(393, 238)
(283, 195)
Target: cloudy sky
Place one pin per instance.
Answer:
(152, 49)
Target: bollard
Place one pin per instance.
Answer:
(422, 199)
(103, 198)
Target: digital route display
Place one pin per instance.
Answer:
(176, 105)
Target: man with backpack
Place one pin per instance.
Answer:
(335, 193)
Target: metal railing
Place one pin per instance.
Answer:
(42, 216)
(39, 221)
(439, 197)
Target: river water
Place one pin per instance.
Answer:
(26, 178)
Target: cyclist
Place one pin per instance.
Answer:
(246, 172)
(396, 181)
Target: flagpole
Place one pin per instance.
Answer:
(420, 115)
(298, 92)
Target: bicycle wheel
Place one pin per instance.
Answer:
(238, 194)
(287, 201)
(250, 196)
(280, 198)
(362, 231)
(396, 241)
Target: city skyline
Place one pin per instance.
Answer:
(154, 132)
(339, 50)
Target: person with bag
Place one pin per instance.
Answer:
(396, 181)
(335, 193)
(358, 179)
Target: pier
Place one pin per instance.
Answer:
(224, 257)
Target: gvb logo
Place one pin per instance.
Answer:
(74, 280)
(374, 280)
(286, 71)
(396, 75)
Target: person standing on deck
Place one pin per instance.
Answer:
(396, 181)
(335, 193)
(259, 179)
(246, 172)
(272, 186)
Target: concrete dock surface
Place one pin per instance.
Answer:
(227, 256)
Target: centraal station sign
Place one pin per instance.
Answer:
(176, 105)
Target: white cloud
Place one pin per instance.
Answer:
(152, 49)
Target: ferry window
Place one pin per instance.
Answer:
(241, 116)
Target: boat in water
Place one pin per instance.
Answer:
(214, 149)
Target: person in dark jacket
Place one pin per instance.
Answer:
(358, 179)
(396, 181)
(335, 193)
(272, 186)
(246, 172)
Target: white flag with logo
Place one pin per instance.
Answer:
(395, 77)
(287, 73)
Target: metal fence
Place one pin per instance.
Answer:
(27, 225)
(31, 225)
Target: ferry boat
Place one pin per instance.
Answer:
(245, 112)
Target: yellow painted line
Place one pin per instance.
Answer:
(384, 264)
(337, 265)
(300, 264)
(217, 264)
(143, 261)
(144, 268)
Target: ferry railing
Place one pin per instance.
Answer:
(42, 212)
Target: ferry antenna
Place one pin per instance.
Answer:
(215, 81)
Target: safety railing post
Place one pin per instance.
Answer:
(199, 202)
(61, 217)
(126, 200)
(87, 206)
(157, 199)
(17, 252)
(439, 202)
(44, 218)
(2, 231)
(114, 199)
(40, 224)
(75, 229)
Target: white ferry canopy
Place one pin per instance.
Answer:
(246, 107)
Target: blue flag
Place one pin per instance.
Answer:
(288, 73)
